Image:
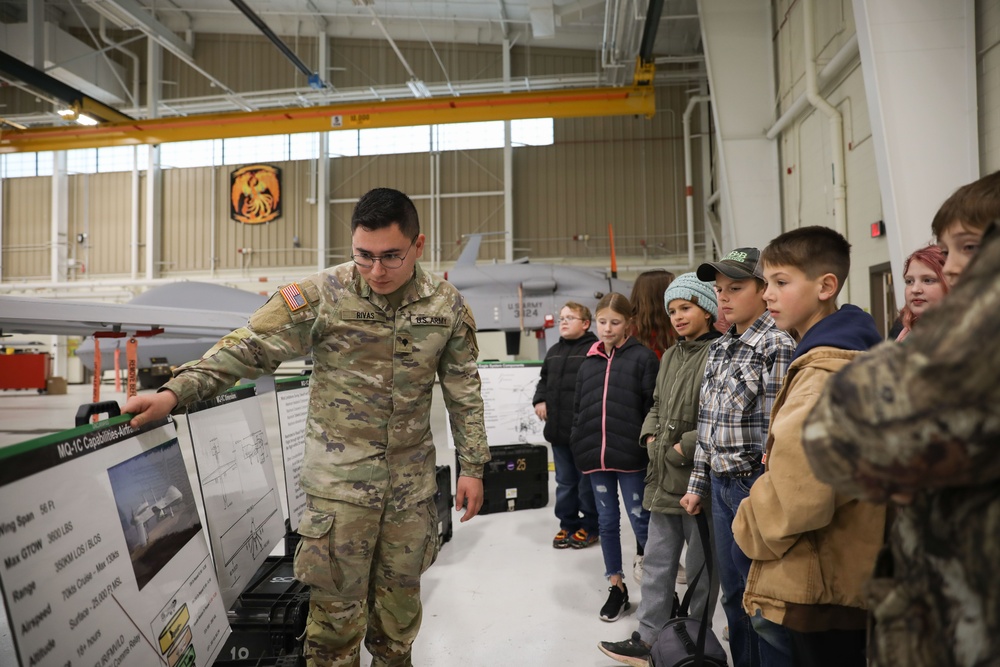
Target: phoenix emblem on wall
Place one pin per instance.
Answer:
(255, 194)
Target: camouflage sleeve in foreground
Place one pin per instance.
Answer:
(461, 387)
(272, 335)
(922, 413)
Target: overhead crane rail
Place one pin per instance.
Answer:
(637, 100)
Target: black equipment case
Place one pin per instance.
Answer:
(268, 617)
(516, 478)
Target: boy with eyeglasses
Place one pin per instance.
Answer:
(553, 403)
(380, 330)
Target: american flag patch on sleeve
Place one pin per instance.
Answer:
(293, 297)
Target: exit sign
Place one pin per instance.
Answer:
(877, 229)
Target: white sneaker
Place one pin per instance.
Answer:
(637, 569)
(681, 574)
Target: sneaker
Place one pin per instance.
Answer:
(561, 540)
(682, 578)
(583, 538)
(632, 651)
(616, 605)
(637, 570)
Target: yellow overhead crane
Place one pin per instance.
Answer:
(638, 99)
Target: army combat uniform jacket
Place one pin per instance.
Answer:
(368, 433)
(922, 417)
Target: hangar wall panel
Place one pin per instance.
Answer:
(988, 69)
(623, 171)
(100, 206)
(27, 228)
(189, 213)
(805, 149)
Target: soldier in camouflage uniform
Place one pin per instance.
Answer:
(379, 330)
(918, 422)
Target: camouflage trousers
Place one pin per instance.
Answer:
(363, 566)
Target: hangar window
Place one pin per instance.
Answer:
(119, 158)
(450, 137)
(393, 140)
(81, 161)
(20, 165)
(303, 146)
(281, 147)
(182, 154)
(247, 150)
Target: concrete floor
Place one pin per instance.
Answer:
(499, 594)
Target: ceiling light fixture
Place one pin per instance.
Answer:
(74, 115)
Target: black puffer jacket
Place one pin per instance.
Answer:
(613, 395)
(557, 385)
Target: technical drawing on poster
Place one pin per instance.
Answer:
(242, 504)
(508, 413)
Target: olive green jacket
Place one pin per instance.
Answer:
(672, 419)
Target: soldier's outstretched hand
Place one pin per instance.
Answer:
(469, 494)
(146, 408)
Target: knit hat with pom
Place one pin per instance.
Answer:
(687, 286)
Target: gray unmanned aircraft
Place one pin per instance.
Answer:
(524, 297)
(517, 298)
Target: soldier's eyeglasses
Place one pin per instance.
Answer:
(390, 261)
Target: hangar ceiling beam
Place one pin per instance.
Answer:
(580, 103)
(315, 79)
(131, 15)
(34, 78)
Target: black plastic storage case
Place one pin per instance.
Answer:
(516, 478)
(268, 617)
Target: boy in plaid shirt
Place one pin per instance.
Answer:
(743, 374)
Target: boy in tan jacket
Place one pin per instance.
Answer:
(812, 548)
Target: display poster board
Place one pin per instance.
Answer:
(236, 474)
(292, 395)
(507, 392)
(104, 557)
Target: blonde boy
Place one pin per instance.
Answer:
(812, 549)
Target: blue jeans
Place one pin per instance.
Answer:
(574, 494)
(606, 485)
(757, 642)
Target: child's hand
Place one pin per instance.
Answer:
(691, 502)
